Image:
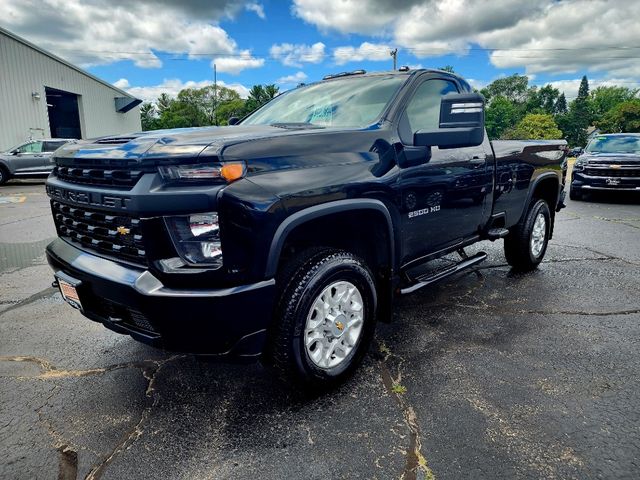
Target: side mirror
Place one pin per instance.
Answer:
(13, 152)
(233, 120)
(461, 123)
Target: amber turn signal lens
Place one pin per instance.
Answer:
(232, 171)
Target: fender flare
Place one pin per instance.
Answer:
(532, 188)
(317, 211)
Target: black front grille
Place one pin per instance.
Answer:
(613, 172)
(117, 236)
(103, 177)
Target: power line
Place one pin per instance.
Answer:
(359, 50)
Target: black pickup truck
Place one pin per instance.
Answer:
(287, 236)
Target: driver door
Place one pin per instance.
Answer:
(442, 198)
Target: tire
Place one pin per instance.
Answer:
(574, 194)
(303, 335)
(524, 247)
(4, 175)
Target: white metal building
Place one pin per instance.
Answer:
(44, 96)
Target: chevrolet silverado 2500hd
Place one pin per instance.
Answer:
(287, 236)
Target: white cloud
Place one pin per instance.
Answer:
(294, 79)
(235, 65)
(173, 86)
(348, 16)
(543, 36)
(477, 84)
(294, 55)
(123, 83)
(106, 31)
(256, 8)
(570, 87)
(366, 51)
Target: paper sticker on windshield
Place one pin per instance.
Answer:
(322, 115)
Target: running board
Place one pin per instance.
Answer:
(433, 277)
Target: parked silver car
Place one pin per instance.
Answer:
(30, 159)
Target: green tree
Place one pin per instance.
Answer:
(258, 96)
(513, 88)
(535, 126)
(548, 98)
(500, 115)
(574, 124)
(605, 98)
(148, 116)
(163, 103)
(623, 118)
(561, 105)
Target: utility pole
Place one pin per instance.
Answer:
(394, 54)
(215, 94)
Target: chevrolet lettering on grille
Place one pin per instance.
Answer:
(88, 198)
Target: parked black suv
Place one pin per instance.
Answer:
(609, 163)
(287, 236)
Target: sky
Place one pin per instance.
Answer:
(148, 47)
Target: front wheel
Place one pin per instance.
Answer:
(527, 242)
(325, 319)
(4, 175)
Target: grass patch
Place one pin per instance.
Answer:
(398, 389)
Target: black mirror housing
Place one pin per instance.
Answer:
(461, 123)
(233, 120)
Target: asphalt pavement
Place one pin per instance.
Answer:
(490, 374)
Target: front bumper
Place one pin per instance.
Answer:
(582, 182)
(224, 322)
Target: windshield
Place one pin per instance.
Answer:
(614, 144)
(348, 102)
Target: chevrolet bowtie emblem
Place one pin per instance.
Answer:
(615, 166)
(340, 326)
(122, 230)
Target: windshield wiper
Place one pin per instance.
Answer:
(294, 125)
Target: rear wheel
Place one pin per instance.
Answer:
(4, 175)
(325, 318)
(527, 242)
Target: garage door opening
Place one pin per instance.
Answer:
(64, 115)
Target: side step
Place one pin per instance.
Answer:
(497, 233)
(433, 277)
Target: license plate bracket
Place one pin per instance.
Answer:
(69, 289)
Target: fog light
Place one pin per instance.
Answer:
(197, 238)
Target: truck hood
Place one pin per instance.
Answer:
(190, 143)
(610, 158)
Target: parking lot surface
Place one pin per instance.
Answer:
(490, 374)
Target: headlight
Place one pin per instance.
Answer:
(202, 172)
(197, 238)
(579, 165)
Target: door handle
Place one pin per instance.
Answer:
(478, 161)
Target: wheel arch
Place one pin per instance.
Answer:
(309, 217)
(546, 187)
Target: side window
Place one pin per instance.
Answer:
(423, 111)
(32, 147)
(52, 146)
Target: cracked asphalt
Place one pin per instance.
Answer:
(490, 374)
